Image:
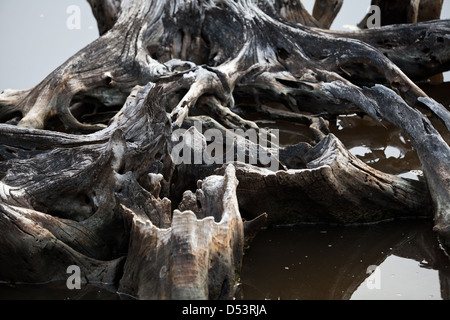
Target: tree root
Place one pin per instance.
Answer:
(104, 200)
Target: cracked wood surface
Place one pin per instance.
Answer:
(102, 195)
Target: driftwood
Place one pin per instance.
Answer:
(399, 12)
(88, 171)
(193, 259)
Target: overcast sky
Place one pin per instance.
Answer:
(35, 38)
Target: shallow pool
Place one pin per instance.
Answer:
(390, 260)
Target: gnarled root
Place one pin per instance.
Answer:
(193, 259)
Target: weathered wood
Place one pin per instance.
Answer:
(106, 13)
(198, 257)
(102, 195)
(77, 184)
(402, 12)
(430, 10)
(420, 50)
(325, 11)
(38, 248)
(332, 186)
(433, 151)
(405, 11)
(110, 74)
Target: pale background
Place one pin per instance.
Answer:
(34, 38)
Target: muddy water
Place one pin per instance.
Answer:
(316, 262)
(334, 262)
(56, 291)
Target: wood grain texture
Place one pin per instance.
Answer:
(87, 174)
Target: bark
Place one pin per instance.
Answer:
(193, 259)
(106, 13)
(402, 11)
(420, 50)
(433, 151)
(331, 188)
(87, 172)
(407, 12)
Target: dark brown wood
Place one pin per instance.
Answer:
(330, 187)
(406, 11)
(400, 47)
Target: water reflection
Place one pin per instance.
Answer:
(56, 291)
(316, 262)
(393, 273)
(380, 145)
(331, 263)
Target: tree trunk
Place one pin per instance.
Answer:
(89, 176)
(403, 11)
(406, 12)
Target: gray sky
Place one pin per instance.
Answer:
(35, 39)
(353, 12)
